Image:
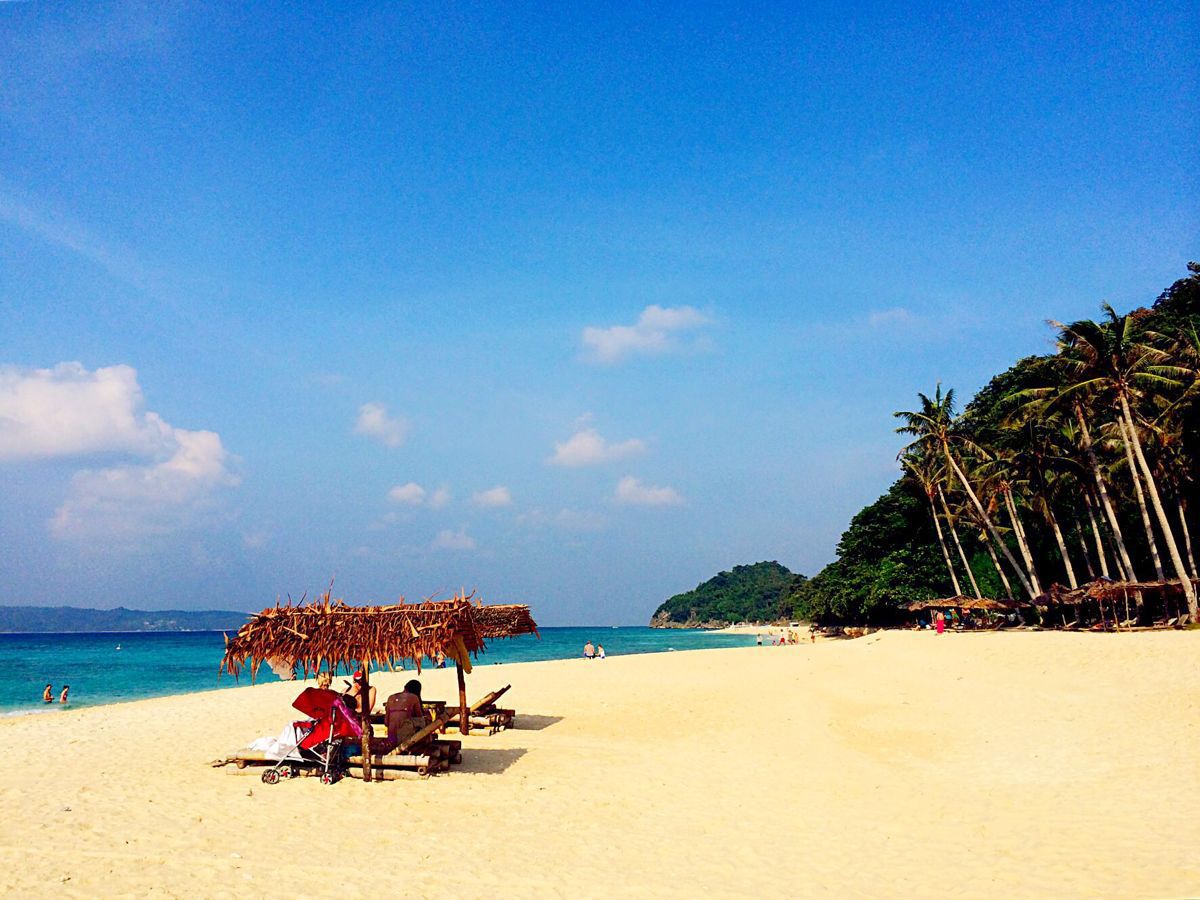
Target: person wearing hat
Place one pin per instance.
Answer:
(354, 698)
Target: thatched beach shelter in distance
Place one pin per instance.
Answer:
(1152, 600)
(332, 633)
(960, 602)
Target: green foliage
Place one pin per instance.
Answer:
(888, 557)
(748, 593)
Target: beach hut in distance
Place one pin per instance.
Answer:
(966, 604)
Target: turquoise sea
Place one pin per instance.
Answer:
(162, 663)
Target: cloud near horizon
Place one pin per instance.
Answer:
(631, 492)
(411, 494)
(375, 422)
(448, 539)
(655, 332)
(493, 497)
(587, 448)
(69, 411)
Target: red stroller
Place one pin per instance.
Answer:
(320, 745)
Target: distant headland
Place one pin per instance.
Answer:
(754, 593)
(69, 619)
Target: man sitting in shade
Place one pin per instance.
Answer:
(403, 713)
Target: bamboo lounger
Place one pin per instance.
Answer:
(435, 758)
(485, 714)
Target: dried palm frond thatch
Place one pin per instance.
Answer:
(331, 633)
(961, 602)
(503, 620)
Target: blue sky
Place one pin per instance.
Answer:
(572, 306)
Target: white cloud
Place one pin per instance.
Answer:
(587, 448)
(375, 422)
(70, 411)
(493, 497)
(631, 492)
(453, 540)
(439, 498)
(656, 331)
(123, 502)
(896, 316)
(411, 494)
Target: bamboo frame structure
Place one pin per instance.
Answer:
(333, 633)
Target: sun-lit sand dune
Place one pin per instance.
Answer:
(1042, 764)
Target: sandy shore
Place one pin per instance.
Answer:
(1039, 764)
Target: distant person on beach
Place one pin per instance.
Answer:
(441, 660)
(48, 694)
(324, 680)
(758, 639)
(599, 651)
(589, 652)
(62, 698)
(940, 622)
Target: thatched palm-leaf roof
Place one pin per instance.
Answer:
(960, 602)
(503, 620)
(332, 634)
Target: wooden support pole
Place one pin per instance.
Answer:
(464, 714)
(364, 703)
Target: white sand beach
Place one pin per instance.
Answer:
(900, 764)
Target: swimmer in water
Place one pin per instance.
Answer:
(48, 694)
(62, 698)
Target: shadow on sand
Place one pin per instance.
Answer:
(525, 722)
(489, 760)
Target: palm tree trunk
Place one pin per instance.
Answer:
(1083, 548)
(1100, 554)
(942, 541)
(954, 534)
(1141, 499)
(1185, 580)
(1019, 531)
(1187, 536)
(1062, 547)
(1102, 492)
(999, 568)
(987, 521)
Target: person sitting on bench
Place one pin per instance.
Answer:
(404, 715)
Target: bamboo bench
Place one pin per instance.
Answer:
(484, 713)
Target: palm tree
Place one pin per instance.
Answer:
(932, 426)
(926, 478)
(1115, 358)
(957, 543)
(1127, 444)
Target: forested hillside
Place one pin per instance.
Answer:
(1077, 465)
(748, 593)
